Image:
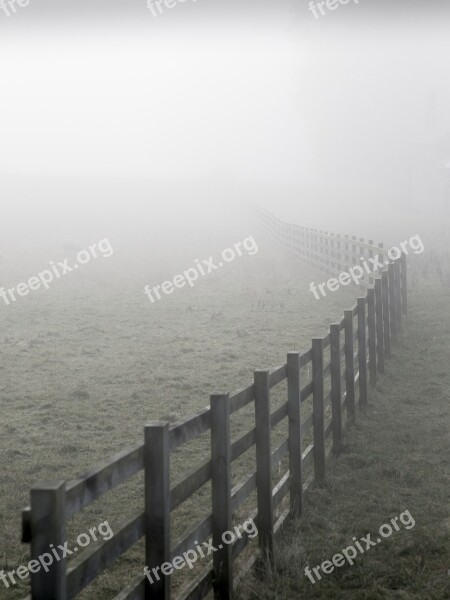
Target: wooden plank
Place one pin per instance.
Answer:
(278, 415)
(157, 506)
(280, 490)
(241, 398)
(242, 443)
(221, 495)
(189, 428)
(318, 411)
(386, 314)
(362, 352)
(277, 375)
(264, 462)
(280, 452)
(306, 391)
(185, 487)
(336, 387)
(242, 490)
(306, 425)
(98, 556)
(307, 457)
(87, 488)
(305, 358)
(379, 323)
(295, 433)
(372, 336)
(349, 365)
(48, 526)
(198, 532)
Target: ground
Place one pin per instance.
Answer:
(396, 459)
(85, 364)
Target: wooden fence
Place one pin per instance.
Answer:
(366, 331)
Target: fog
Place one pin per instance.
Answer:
(152, 132)
(332, 108)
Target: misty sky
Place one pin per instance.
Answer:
(258, 90)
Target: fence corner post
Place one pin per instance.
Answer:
(221, 495)
(48, 524)
(157, 506)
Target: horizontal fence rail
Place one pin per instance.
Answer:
(357, 346)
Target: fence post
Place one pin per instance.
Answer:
(404, 285)
(318, 410)
(264, 461)
(157, 508)
(48, 521)
(386, 318)
(221, 495)
(336, 410)
(349, 365)
(372, 336)
(398, 294)
(362, 352)
(392, 311)
(379, 323)
(295, 439)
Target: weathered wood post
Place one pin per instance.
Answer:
(392, 303)
(295, 439)
(336, 409)
(379, 323)
(157, 507)
(362, 352)
(349, 365)
(318, 410)
(221, 495)
(404, 284)
(386, 316)
(48, 522)
(264, 462)
(372, 336)
(398, 294)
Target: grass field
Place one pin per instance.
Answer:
(85, 364)
(396, 458)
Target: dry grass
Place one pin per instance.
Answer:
(397, 458)
(84, 365)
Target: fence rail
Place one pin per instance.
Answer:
(366, 330)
